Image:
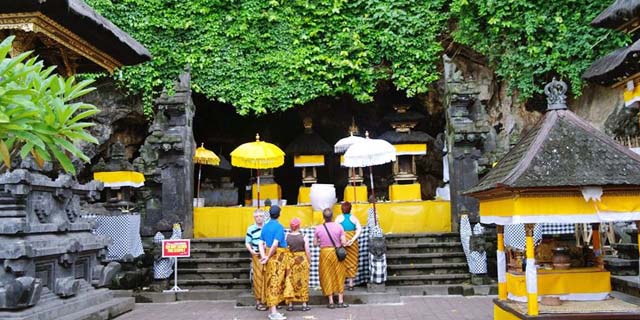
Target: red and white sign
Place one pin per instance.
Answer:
(176, 248)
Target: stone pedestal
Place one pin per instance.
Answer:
(50, 258)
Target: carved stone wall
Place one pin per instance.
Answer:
(166, 161)
(47, 249)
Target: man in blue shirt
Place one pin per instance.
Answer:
(274, 256)
(252, 242)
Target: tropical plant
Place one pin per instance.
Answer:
(39, 113)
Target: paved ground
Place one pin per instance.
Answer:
(412, 308)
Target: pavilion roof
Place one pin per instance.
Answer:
(86, 23)
(618, 14)
(395, 137)
(616, 67)
(309, 143)
(563, 151)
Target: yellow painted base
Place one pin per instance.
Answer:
(360, 194)
(405, 192)
(558, 282)
(267, 191)
(501, 314)
(404, 217)
(304, 195)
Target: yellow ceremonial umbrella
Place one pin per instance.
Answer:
(257, 155)
(204, 156)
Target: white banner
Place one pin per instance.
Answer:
(502, 267)
(532, 276)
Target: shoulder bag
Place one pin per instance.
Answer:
(341, 252)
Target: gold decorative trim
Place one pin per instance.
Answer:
(39, 23)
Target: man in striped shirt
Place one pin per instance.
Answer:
(252, 241)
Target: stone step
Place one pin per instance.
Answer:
(213, 263)
(107, 310)
(425, 258)
(213, 273)
(408, 238)
(428, 247)
(219, 253)
(214, 283)
(427, 268)
(428, 279)
(203, 243)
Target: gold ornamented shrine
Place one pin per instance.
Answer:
(563, 171)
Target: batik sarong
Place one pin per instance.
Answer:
(351, 262)
(274, 278)
(298, 277)
(258, 276)
(331, 272)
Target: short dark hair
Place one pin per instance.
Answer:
(327, 214)
(274, 212)
(346, 207)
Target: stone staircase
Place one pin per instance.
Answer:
(412, 259)
(220, 263)
(426, 259)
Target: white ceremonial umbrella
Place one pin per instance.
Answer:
(368, 153)
(343, 144)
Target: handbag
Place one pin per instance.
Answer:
(341, 252)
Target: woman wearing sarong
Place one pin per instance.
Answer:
(275, 255)
(298, 277)
(330, 269)
(352, 229)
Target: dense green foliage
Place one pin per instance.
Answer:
(39, 113)
(264, 56)
(526, 40)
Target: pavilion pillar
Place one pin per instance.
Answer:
(502, 266)
(531, 273)
(597, 247)
(638, 228)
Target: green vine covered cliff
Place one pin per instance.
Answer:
(264, 56)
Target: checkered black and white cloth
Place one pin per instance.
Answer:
(557, 228)
(378, 267)
(515, 237)
(124, 231)
(477, 261)
(363, 261)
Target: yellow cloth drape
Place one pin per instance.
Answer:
(274, 278)
(351, 262)
(399, 217)
(559, 282)
(405, 192)
(331, 272)
(299, 277)
(258, 277)
(114, 179)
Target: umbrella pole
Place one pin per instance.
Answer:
(353, 183)
(373, 192)
(199, 172)
(258, 184)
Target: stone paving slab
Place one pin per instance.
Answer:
(411, 308)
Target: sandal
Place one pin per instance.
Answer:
(261, 307)
(289, 308)
(305, 308)
(331, 306)
(342, 305)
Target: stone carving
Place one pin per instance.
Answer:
(46, 247)
(166, 161)
(467, 133)
(102, 275)
(377, 247)
(556, 98)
